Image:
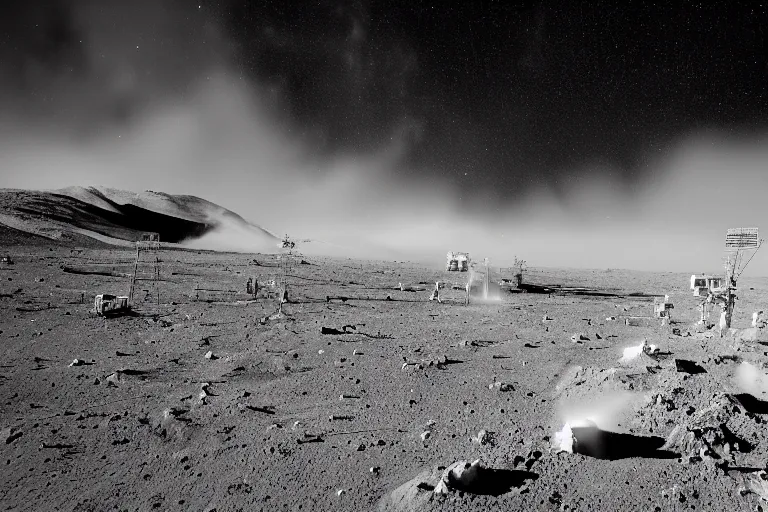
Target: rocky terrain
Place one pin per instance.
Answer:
(366, 396)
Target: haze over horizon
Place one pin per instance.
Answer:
(570, 136)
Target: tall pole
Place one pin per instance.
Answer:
(157, 278)
(133, 279)
(730, 290)
(730, 298)
(467, 288)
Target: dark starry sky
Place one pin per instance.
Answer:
(491, 97)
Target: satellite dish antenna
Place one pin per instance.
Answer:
(741, 244)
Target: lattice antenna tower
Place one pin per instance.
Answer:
(520, 267)
(150, 246)
(741, 245)
(287, 262)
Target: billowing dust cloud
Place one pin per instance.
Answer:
(203, 128)
(603, 409)
(751, 379)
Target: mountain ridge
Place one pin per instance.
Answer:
(119, 217)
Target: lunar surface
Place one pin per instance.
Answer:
(365, 395)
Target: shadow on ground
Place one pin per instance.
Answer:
(751, 404)
(495, 482)
(602, 444)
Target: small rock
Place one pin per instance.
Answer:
(564, 439)
(113, 379)
(11, 434)
(483, 437)
(758, 483)
(77, 362)
(666, 493)
(335, 417)
(209, 355)
(340, 492)
(374, 470)
(425, 435)
(501, 386)
(460, 475)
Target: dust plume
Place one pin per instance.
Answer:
(164, 100)
(183, 119)
(603, 410)
(751, 379)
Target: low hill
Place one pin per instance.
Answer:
(118, 217)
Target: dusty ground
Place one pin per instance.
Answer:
(128, 430)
